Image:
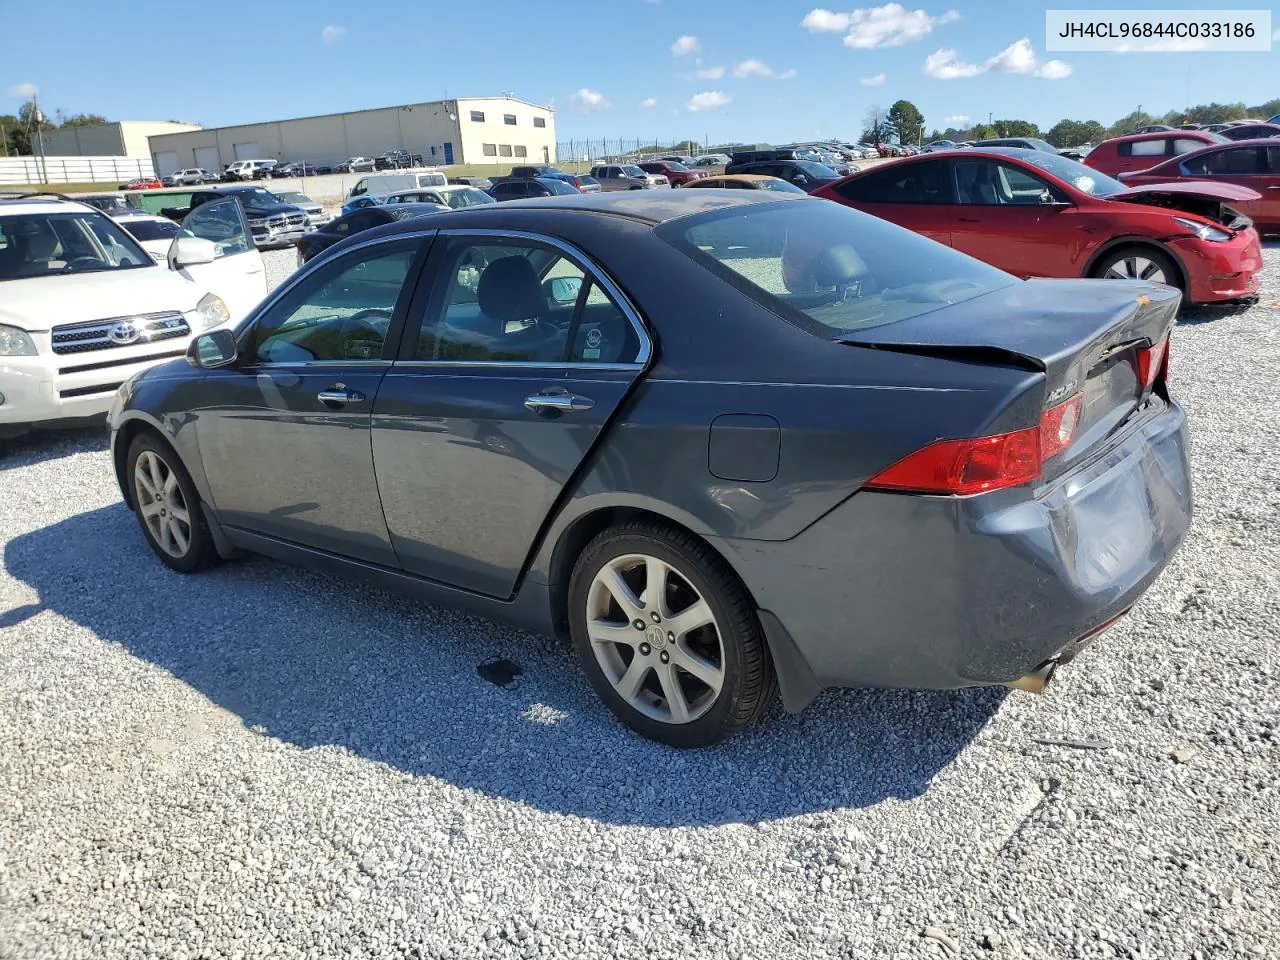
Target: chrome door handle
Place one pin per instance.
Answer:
(339, 395)
(560, 402)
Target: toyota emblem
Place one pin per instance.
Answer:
(124, 333)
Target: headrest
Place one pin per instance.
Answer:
(509, 290)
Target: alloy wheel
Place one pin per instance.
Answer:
(655, 638)
(161, 504)
(1135, 268)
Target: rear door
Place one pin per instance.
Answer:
(236, 274)
(511, 365)
(919, 196)
(284, 439)
(1011, 218)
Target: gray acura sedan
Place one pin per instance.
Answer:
(728, 442)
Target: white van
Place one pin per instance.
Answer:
(382, 184)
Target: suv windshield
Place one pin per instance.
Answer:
(44, 244)
(1085, 179)
(829, 269)
(633, 172)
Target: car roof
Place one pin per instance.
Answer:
(1160, 135)
(17, 205)
(639, 205)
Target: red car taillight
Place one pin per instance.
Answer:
(1152, 361)
(963, 467)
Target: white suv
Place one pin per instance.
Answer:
(251, 169)
(83, 307)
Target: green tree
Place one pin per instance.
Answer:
(983, 131)
(1074, 133)
(1131, 123)
(80, 119)
(907, 120)
(1016, 128)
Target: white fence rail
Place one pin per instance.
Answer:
(73, 169)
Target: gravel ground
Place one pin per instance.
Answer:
(261, 762)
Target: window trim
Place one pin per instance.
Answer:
(394, 332)
(424, 296)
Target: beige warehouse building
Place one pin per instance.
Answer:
(497, 130)
(128, 138)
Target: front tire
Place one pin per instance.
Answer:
(667, 635)
(1138, 263)
(168, 506)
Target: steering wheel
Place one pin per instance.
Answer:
(361, 336)
(79, 262)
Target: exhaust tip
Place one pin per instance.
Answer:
(1036, 680)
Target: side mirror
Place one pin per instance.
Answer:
(189, 251)
(212, 350)
(564, 290)
(1047, 199)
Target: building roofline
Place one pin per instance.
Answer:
(344, 113)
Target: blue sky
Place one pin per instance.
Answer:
(653, 69)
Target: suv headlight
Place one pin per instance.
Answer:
(1204, 231)
(212, 312)
(16, 343)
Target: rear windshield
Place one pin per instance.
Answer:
(829, 269)
(147, 230)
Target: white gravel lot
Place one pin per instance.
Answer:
(261, 762)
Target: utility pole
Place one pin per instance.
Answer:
(39, 121)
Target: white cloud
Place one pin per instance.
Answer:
(648, 103)
(752, 68)
(1019, 58)
(876, 81)
(685, 45)
(708, 100)
(588, 101)
(891, 25)
(824, 21)
(21, 91)
(1174, 45)
(710, 73)
(787, 74)
(957, 120)
(332, 34)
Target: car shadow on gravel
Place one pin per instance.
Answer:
(319, 662)
(41, 445)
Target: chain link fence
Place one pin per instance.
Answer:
(584, 153)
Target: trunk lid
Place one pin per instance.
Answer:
(1087, 336)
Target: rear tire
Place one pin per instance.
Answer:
(686, 667)
(1138, 263)
(168, 506)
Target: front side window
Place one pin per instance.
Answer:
(339, 313)
(502, 301)
(222, 223)
(466, 197)
(989, 183)
(1085, 179)
(830, 269)
(44, 244)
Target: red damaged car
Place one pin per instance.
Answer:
(1252, 165)
(1036, 214)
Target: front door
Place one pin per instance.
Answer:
(1011, 218)
(1245, 166)
(236, 273)
(917, 195)
(285, 444)
(522, 355)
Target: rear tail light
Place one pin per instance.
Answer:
(1152, 361)
(964, 467)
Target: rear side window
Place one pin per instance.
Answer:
(901, 183)
(1144, 148)
(829, 269)
(1186, 145)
